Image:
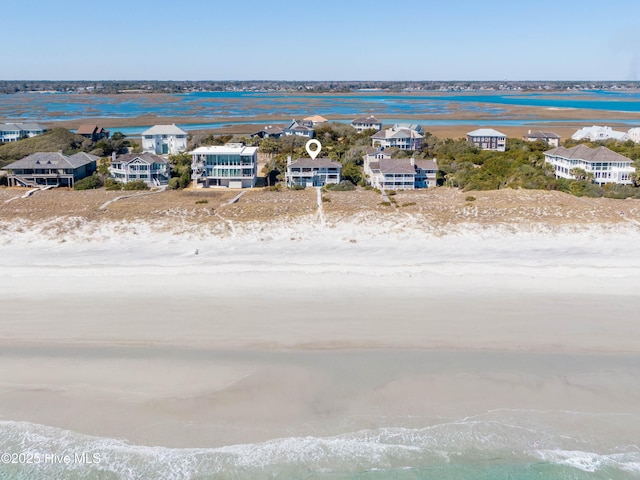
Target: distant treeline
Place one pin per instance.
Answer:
(114, 87)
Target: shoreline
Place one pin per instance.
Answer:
(282, 328)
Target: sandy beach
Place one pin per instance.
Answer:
(293, 321)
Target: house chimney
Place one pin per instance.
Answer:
(113, 156)
(413, 162)
(288, 160)
(529, 131)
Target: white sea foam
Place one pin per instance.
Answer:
(486, 438)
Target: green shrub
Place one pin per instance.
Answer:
(88, 183)
(470, 198)
(408, 204)
(135, 185)
(297, 187)
(276, 188)
(199, 202)
(174, 183)
(343, 186)
(385, 204)
(111, 184)
(325, 199)
(391, 193)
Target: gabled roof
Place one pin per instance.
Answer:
(146, 157)
(401, 133)
(427, 164)
(25, 127)
(397, 165)
(87, 129)
(366, 120)
(52, 160)
(542, 135)
(590, 155)
(270, 130)
(486, 132)
(322, 162)
(315, 119)
(164, 130)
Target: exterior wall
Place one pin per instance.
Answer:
(59, 177)
(603, 172)
(155, 174)
(164, 144)
(403, 143)
(425, 178)
(360, 127)
(312, 176)
(231, 170)
(498, 144)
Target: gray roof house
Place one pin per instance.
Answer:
(152, 169)
(550, 138)
(366, 123)
(50, 169)
(307, 172)
(606, 165)
(270, 131)
(12, 132)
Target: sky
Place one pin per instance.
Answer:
(320, 40)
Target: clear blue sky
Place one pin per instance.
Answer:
(320, 40)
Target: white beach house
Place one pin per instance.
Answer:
(388, 173)
(307, 172)
(596, 133)
(366, 123)
(606, 165)
(12, 132)
(152, 169)
(550, 138)
(164, 139)
(488, 139)
(232, 165)
(398, 137)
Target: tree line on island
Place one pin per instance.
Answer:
(460, 163)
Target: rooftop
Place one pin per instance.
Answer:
(582, 152)
(229, 149)
(164, 130)
(53, 160)
(486, 132)
(322, 162)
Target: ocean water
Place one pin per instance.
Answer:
(502, 444)
(233, 105)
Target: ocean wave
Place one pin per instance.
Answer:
(513, 439)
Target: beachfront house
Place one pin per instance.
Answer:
(606, 165)
(93, 132)
(270, 131)
(232, 166)
(366, 123)
(597, 133)
(387, 173)
(307, 172)
(300, 128)
(397, 137)
(152, 169)
(12, 132)
(550, 138)
(164, 139)
(50, 169)
(488, 139)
